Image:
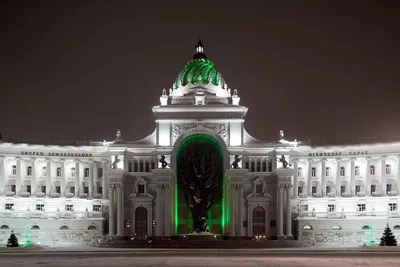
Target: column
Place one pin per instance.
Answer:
(104, 183)
(241, 228)
(352, 178)
(77, 180)
(288, 213)
(91, 163)
(48, 177)
(111, 212)
(232, 213)
(367, 188)
(3, 177)
(159, 216)
(338, 183)
(323, 178)
(295, 179)
(398, 176)
(18, 178)
(63, 178)
(120, 222)
(167, 225)
(383, 176)
(280, 212)
(33, 179)
(309, 181)
(95, 178)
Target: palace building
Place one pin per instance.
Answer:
(199, 169)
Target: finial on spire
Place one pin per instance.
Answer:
(199, 50)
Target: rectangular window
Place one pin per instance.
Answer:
(100, 190)
(130, 166)
(96, 207)
(246, 165)
(392, 206)
(13, 170)
(72, 172)
(43, 188)
(299, 190)
(86, 190)
(259, 188)
(357, 170)
(328, 189)
(258, 166)
(141, 188)
(100, 172)
(29, 171)
(13, 188)
(153, 165)
(86, 170)
(72, 189)
(269, 166)
(342, 171)
(40, 207)
(313, 172)
(147, 165)
(327, 172)
(9, 206)
(360, 207)
(135, 165)
(272, 224)
(331, 207)
(358, 189)
(69, 207)
(372, 170)
(342, 190)
(58, 189)
(314, 190)
(140, 166)
(58, 172)
(253, 166)
(388, 188)
(264, 165)
(373, 188)
(28, 189)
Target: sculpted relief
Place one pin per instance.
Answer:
(221, 129)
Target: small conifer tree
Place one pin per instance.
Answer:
(12, 241)
(388, 238)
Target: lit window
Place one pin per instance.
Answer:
(29, 171)
(342, 171)
(59, 172)
(392, 206)
(331, 207)
(313, 172)
(388, 169)
(300, 172)
(357, 171)
(327, 171)
(307, 227)
(372, 170)
(360, 207)
(9, 206)
(40, 207)
(97, 207)
(72, 172)
(14, 170)
(86, 172)
(69, 207)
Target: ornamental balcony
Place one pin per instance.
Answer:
(361, 194)
(69, 195)
(376, 194)
(10, 193)
(40, 194)
(316, 195)
(303, 195)
(55, 195)
(392, 193)
(25, 194)
(97, 196)
(332, 194)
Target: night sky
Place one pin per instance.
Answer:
(79, 70)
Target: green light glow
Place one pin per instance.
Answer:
(225, 208)
(28, 236)
(370, 238)
(202, 68)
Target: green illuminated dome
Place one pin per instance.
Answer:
(199, 71)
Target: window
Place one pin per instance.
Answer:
(141, 188)
(328, 189)
(72, 189)
(360, 207)
(72, 172)
(96, 207)
(313, 172)
(314, 190)
(153, 165)
(336, 227)
(130, 166)
(246, 165)
(92, 227)
(29, 171)
(13, 188)
(43, 188)
(372, 170)
(64, 227)
(253, 166)
(272, 224)
(388, 169)
(342, 189)
(86, 172)
(86, 190)
(357, 171)
(258, 166)
(69, 207)
(58, 189)
(9, 206)
(100, 190)
(28, 189)
(147, 165)
(259, 188)
(342, 171)
(58, 172)
(14, 170)
(35, 227)
(388, 188)
(307, 227)
(327, 171)
(269, 166)
(373, 188)
(100, 172)
(264, 166)
(300, 172)
(358, 189)
(331, 207)
(44, 169)
(392, 206)
(40, 207)
(299, 190)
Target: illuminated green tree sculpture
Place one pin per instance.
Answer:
(200, 176)
(388, 238)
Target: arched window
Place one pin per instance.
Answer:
(365, 227)
(35, 227)
(300, 172)
(357, 171)
(396, 228)
(342, 171)
(372, 170)
(4, 227)
(92, 227)
(14, 170)
(64, 227)
(327, 171)
(313, 172)
(388, 169)
(29, 171)
(307, 227)
(336, 227)
(59, 172)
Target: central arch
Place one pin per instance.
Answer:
(200, 185)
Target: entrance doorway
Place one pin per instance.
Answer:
(141, 222)
(258, 222)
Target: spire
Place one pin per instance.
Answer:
(199, 50)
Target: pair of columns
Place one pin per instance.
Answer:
(236, 210)
(120, 216)
(163, 209)
(284, 190)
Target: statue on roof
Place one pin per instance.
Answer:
(164, 163)
(284, 162)
(115, 162)
(235, 163)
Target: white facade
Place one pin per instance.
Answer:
(69, 194)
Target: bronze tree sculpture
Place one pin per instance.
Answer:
(200, 176)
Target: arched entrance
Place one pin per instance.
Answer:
(200, 185)
(141, 222)
(258, 221)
